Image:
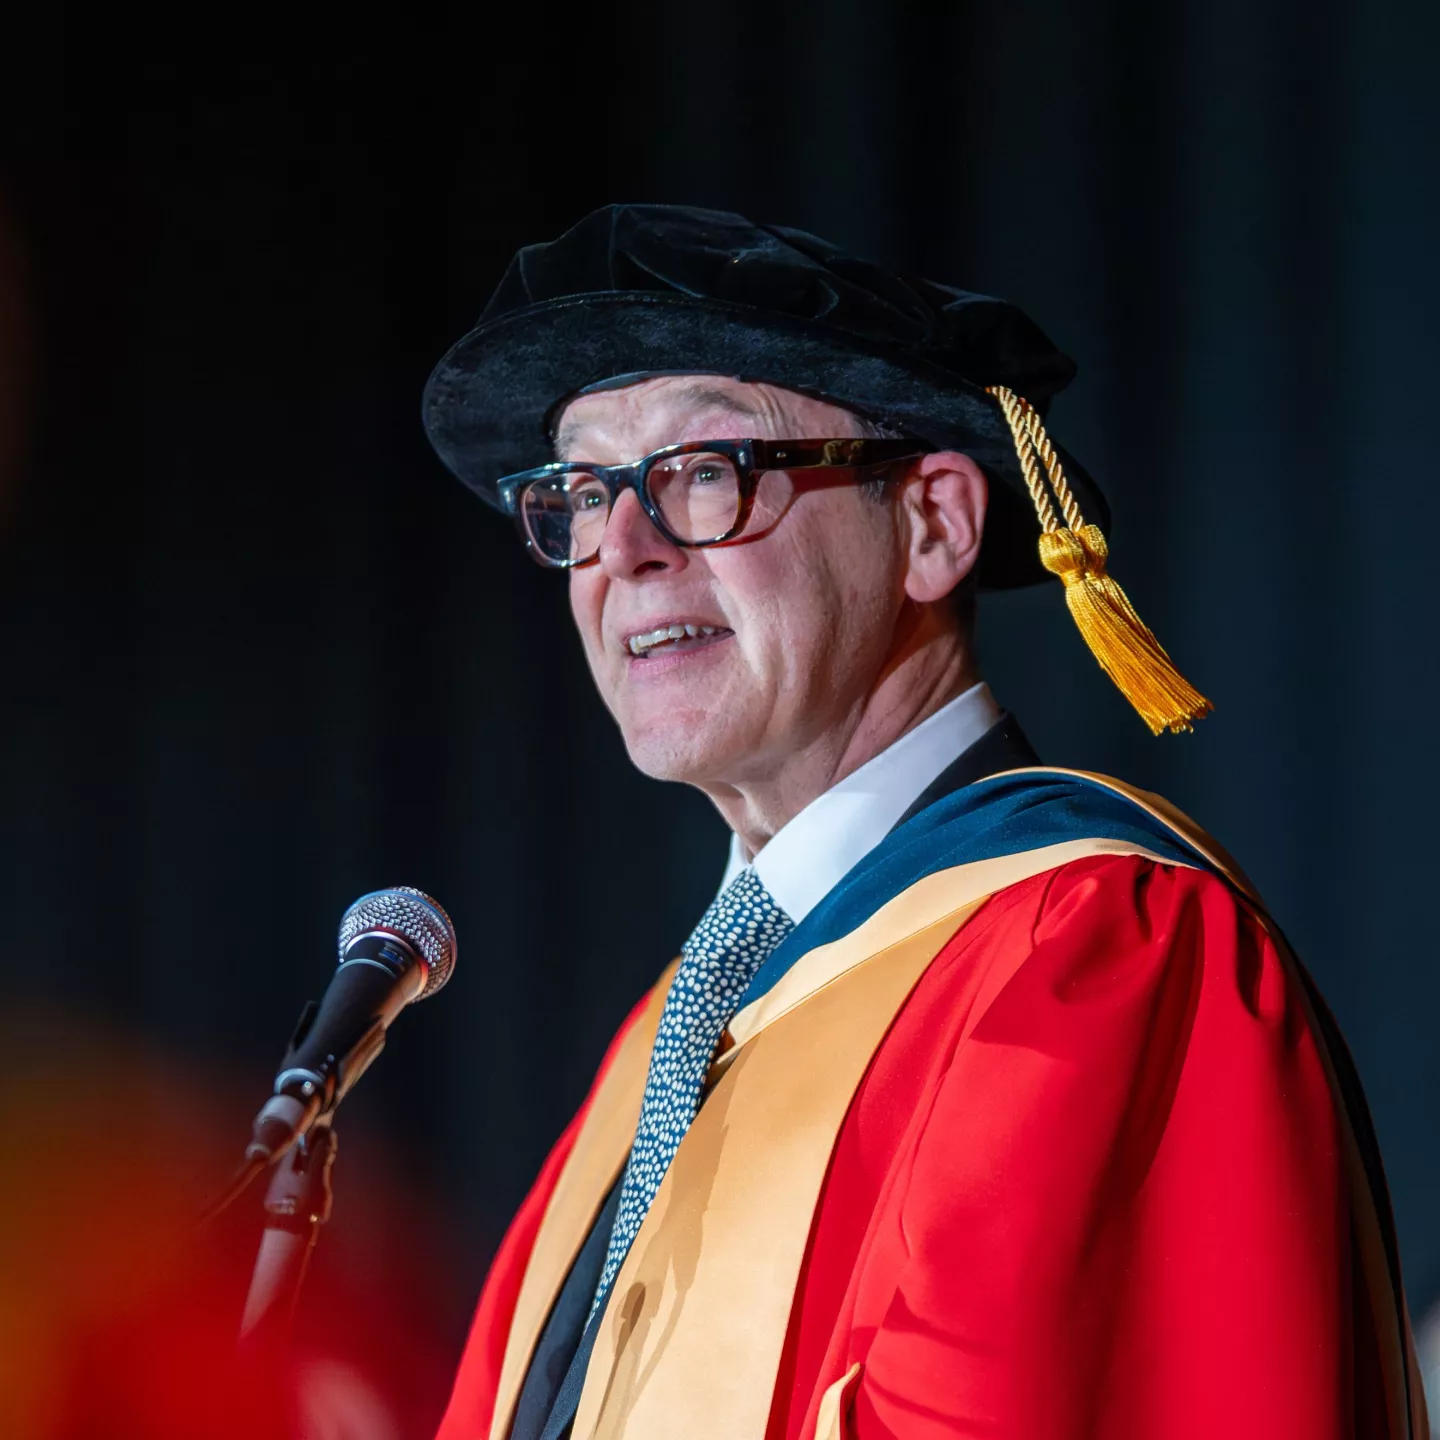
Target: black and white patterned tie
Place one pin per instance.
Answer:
(717, 964)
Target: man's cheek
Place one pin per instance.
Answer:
(592, 644)
(585, 611)
(585, 603)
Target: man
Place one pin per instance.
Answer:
(985, 1099)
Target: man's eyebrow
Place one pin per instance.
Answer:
(699, 395)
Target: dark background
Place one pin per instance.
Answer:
(261, 654)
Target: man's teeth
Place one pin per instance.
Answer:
(639, 644)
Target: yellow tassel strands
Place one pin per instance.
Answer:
(1118, 638)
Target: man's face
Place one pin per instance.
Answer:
(803, 605)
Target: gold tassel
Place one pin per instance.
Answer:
(1119, 639)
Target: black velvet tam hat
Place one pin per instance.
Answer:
(636, 290)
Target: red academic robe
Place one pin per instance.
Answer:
(1120, 1210)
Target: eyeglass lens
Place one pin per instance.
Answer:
(697, 495)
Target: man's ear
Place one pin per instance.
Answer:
(942, 507)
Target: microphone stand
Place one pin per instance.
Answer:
(297, 1204)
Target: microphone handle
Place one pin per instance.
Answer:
(336, 1042)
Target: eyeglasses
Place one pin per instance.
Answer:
(696, 494)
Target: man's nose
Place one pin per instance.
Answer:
(631, 544)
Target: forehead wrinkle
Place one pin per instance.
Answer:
(771, 407)
(713, 397)
(699, 395)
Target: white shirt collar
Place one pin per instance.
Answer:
(804, 860)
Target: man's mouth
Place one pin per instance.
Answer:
(666, 639)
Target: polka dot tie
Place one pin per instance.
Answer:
(717, 964)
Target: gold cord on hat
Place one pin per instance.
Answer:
(1119, 639)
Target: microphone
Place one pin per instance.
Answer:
(396, 946)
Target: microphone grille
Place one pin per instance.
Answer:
(413, 916)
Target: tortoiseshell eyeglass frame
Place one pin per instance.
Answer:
(751, 458)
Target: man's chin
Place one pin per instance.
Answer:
(684, 757)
